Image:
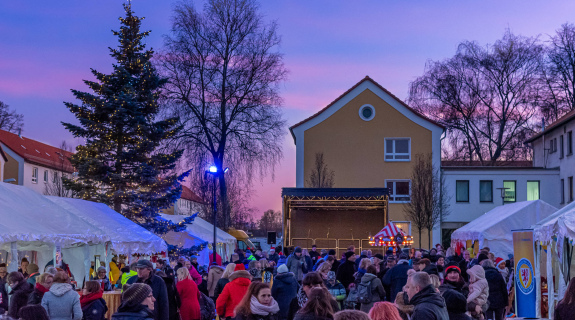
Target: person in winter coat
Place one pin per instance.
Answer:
(501, 266)
(223, 280)
(137, 303)
(456, 305)
(318, 306)
(566, 307)
(21, 289)
(43, 284)
(196, 276)
(311, 281)
(373, 283)
(93, 305)
(214, 275)
(453, 280)
(33, 270)
(33, 312)
(402, 302)
(314, 254)
(258, 304)
(255, 269)
(498, 297)
(308, 260)
(146, 275)
(346, 271)
(284, 290)
(173, 296)
(233, 292)
(478, 291)
(335, 287)
(365, 262)
(428, 304)
(62, 302)
(384, 311)
(324, 269)
(396, 277)
(189, 296)
(267, 271)
(296, 264)
(103, 279)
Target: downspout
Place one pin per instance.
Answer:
(443, 136)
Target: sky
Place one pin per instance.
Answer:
(48, 48)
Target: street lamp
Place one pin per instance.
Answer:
(215, 173)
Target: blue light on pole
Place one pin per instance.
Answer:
(213, 169)
(215, 172)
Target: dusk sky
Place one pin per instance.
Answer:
(48, 48)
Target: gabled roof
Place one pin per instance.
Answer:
(367, 78)
(3, 154)
(188, 194)
(37, 152)
(564, 119)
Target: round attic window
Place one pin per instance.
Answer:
(366, 112)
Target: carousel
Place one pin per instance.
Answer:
(391, 236)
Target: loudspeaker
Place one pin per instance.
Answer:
(271, 237)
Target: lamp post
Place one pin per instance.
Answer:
(215, 172)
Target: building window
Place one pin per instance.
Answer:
(34, 175)
(569, 143)
(562, 190)
(510, 191)
(462, 190)
(397, 149)
(366, 112)
(532, 190)
(55, 177)
(405, 226)
(570, 189)
(399, 190)
(486, 191)
(45, 176)
(561, 149)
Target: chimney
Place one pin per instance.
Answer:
(20, 133)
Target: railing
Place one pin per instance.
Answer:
(339, 245)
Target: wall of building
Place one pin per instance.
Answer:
(13, 168)
(40, 185)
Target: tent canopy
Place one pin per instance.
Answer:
(493, 229)
(559, 224)
(126, 236)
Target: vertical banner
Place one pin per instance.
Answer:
(525, 289)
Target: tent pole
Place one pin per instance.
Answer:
(13, 266)
(87, 261)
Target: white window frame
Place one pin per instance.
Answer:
(55, 177)
(394, 195)
(34, 175)
(407, 222)
(372, 112)
(46, 175)
(385, 153)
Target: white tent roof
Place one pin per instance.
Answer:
(126, 236)
(197, 232)
(31, 220)
(561, 224)
(493, 229)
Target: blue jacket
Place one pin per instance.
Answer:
(284, 290)
(396, 277)
(95, 310)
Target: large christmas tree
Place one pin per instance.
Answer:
(121, 163)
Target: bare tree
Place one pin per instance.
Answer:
(9, 119)
(429, 200)
(320, 176)
(224, 72)
(55, 187)
(271, 221)
(486, 96)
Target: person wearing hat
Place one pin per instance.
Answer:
(296, 264)
(498, 297)
(138, 303)
(103, 279)
(194, 262)
(456, 305)
(453, 280)
(345, 272)
(501, 266)
(335, 287)
(396, 277)
(284, 290)
(146, 275)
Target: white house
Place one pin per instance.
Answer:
(188, 204)
(3, 160)
(553, 148)
(474, 190)
(31, 163)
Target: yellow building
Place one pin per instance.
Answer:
(369, 138)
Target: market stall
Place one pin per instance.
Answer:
(390, 236)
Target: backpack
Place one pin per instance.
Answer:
(351, 301)
(207, 307)
(364, 292)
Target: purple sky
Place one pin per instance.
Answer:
(48, 47)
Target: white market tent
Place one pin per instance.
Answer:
(198, 232)
(493, 229)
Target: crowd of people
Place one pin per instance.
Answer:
(278, 285)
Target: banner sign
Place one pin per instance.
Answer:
(525, 290)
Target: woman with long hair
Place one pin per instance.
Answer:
(365, 262)
(310, 281)
(257, 304)
(566, 307)
(317, 307)
(92, 302)
(384, 311)
(323, 269)
(189, 295)
(224, 279)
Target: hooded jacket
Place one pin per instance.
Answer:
(377, 292)
(19, 298)
(213, 277)
(396, 277)
(233, 293)
(160, 293)
(478, 286)
(62, 303)
(497, 288)
(139, 312)
(297, 266)
(284, 290)
(429, 305)
(402, 302)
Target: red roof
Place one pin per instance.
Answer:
(564, 119)
(37, 152)
(188, 194)
(367, 78)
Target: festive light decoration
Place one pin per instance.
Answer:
(390, 236)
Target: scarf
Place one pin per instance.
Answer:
(262, 309)
(301, 297)
(40, 288)
(85, 300)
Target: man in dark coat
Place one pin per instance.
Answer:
(456, 305)
(336, 262)
(21, 289)
(497, 291)
(428, 304)
(396, 277)
(146, 275)
(345, 272)
(314, 254)
(284, 290)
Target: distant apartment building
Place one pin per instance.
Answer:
(31, 163)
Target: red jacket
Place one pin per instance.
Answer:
(190, 297)
(233, 293)
(218, 259)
